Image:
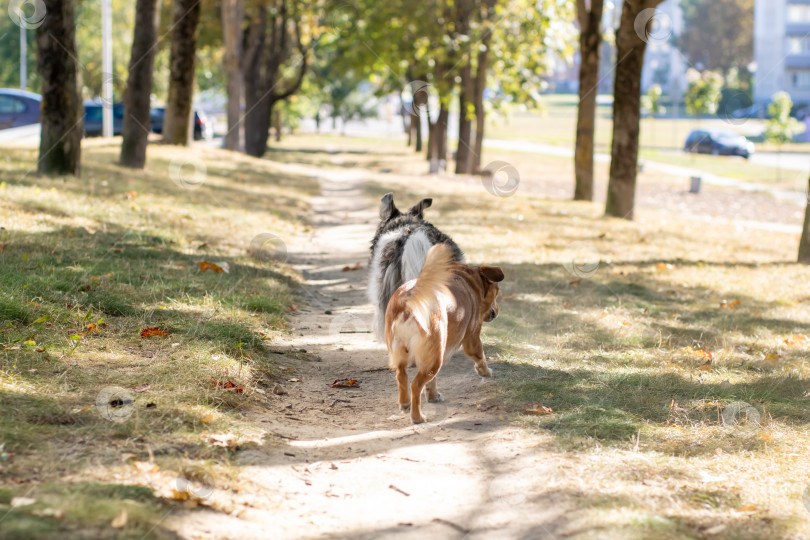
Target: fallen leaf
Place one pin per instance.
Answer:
(205, 265)
(536, 408)
(141, 388)
(749, 508)
(664, 266)
(705, 367)
(223, 440)
(18, 502)
(772, 356)
(120, 520)
(207, 419)
(57, 513)
(729, 305)
(346, 383)
(146, 466)
(766, 436)
(351, 268)
(153, 331)
(180, 495)
(228, 386)
(575, 283)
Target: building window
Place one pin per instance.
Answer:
(801, 79)
(798, 44)
(798, 13)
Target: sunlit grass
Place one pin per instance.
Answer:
(87, 264)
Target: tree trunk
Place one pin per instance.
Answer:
(437, 141)
(804, 242)
(178, 122)
(465, 94)
(264, 59)
(416, 122)
(478, 99)
(626, 111)
(590, 44)
(233, 13)
(137, 97)
(279, 122)
(62, 115)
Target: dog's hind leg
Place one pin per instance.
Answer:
(398, 360)
(433, 394)
(475, 350)
(402, 386)
(426, 376)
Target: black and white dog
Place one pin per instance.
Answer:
(398, 252)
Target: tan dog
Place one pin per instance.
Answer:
(430, 317)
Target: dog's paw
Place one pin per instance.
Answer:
(418, 419)
(404, 407)
(436, 399)
(485, 372)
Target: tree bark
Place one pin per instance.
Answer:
(804, 242)
(279, 122)
(626, 111)
(178, 122)
(233, 12)
(137, 97)
(478, 99)
(263, 62)
(62, 112)
(590, 44)
(466, 95)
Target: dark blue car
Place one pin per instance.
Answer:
(18, 108)
(93, 113)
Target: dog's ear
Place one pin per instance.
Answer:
(419, 208)
(492, 273)
(388, 210)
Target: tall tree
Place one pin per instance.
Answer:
(590, 45)
(718, 34)
(273, 38)
(62, 112)
(139, 85)
(177, 124)
(466, 93)
(631, 42)
(480, 82)
(804, 242)
(233, 13)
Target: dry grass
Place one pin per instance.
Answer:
(644, 358)
(85, 266)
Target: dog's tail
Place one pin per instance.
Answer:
(435, 275)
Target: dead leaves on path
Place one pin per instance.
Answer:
(352, 268)
(228, 386)
(217, 268)
(536, 408)
(345, 383)
(154, 331)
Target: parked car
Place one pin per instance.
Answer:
(18, 108)
(93, 113)
(718, 143)
(203, 128)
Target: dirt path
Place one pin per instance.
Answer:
(344, 463)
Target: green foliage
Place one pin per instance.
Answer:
(780, 127)
(704, 92)
(718, 34)
(651, 101)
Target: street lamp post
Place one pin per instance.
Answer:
(106, 69)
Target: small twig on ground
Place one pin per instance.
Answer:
(374, 369)
(395, 488)
(338, 401)
(459, 528)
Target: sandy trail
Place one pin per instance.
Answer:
(344, 463)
